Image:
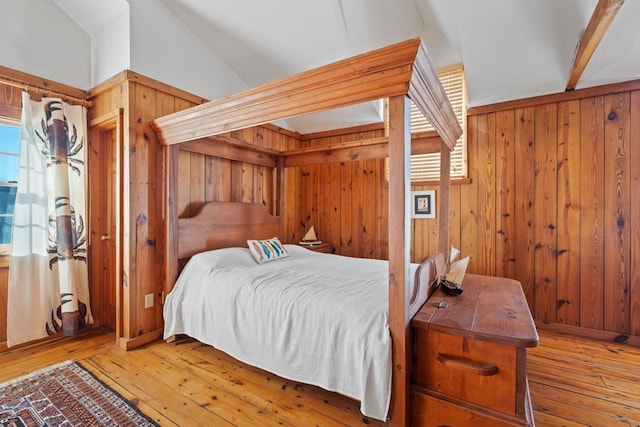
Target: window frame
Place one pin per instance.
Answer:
(5, 248)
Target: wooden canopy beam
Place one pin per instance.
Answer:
(432, 100)
(396, 70)
(602, 17)
(229, 148)
(368, 149)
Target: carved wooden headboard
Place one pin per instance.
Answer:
(225, 224)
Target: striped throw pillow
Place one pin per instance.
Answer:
(267, 250)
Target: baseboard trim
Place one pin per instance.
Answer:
(135, 342)
(597, 334)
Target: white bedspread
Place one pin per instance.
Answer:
(314, 318)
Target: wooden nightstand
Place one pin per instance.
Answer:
(325, 247)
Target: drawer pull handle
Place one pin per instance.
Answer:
(479, 368)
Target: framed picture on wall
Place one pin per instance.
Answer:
(423, 204)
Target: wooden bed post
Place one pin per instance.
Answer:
(170, 216)
(399, 256)
(443, 202)
(279, 186)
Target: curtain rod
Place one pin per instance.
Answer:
(44, 91)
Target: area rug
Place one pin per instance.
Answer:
(65, 395)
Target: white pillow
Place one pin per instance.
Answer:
(233, 257)
(267, 250)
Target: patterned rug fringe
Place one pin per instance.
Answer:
(35, 373)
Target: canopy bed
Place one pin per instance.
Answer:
(398, 73)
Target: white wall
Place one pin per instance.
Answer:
(164, 48)
(110, 52)
(37, 38)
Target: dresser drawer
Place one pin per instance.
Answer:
(428, 411)
(478, 372)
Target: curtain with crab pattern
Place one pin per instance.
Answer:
(48, 278)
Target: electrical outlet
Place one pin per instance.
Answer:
(148, 301)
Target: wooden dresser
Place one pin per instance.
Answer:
(470, 356)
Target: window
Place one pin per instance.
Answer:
(9, 152)
(426, 167)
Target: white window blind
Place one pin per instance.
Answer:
(426, 167)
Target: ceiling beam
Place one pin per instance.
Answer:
(602, 17)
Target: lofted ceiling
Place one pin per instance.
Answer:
(510, 49)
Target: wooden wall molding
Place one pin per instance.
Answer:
(339, 132)
(556, 97)
(40, 86)
(135, 342)
(131, 76)
(613, 337)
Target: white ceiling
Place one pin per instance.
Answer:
(92, 16)
(510, 49)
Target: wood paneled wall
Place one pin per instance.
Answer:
(345, 202)
(204, 178)
(555, 203)
(141, 100)
(553, 198)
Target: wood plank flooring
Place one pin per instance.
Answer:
(583, 382)
(574, 382)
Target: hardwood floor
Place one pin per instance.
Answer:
(577, 382)
(573, 381)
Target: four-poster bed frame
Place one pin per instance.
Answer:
(399, 73)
